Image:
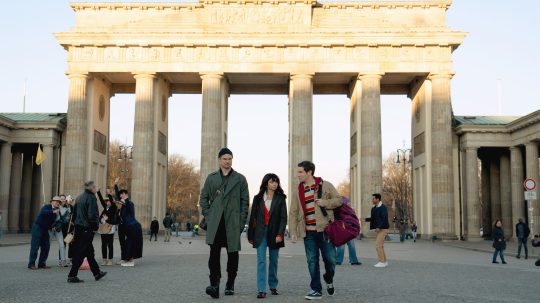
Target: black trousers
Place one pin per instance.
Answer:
(107, 243)
(83, 249)
(214, 262)
(153, 235)
(122, 240)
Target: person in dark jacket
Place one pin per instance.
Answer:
(266, 229)
(133, 245)
(414, 230)
(379, 222)
(40, 234)
(498, 241)
(522, 234)
(107, 218)
(154, 229)
(167, 223)
(86, 220)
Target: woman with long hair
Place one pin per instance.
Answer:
(267, 229)
(498, 241)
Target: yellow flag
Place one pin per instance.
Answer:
(40, 157)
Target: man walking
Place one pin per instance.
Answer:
(308, 217)
(154, 228)
(86, 220)
(167, 223)
(522, 234)
(379, 222)
(224, 203)
(40, 234)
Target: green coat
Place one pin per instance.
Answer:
(233, 205)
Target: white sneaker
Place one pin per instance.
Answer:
(120, 262)
(380, 265)
(128, 264)
(104, 262)
(386, 264)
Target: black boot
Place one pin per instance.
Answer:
(229, 287)
(213, 289)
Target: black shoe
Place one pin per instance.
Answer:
(495, 262)
(100, 275)
(261, 295)
(517, 257)
(213, 289)
(526, 257)
(74, 280)
(274, 292)
(229, 286)
(503, 262)
(356, 263)
(330, 289)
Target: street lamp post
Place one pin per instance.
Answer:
(125, 155)
(406, 155)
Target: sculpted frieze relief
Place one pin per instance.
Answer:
(257, 15)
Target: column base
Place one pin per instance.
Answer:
(474, 238)
(444, 237)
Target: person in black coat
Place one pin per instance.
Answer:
(154, 229)
(522, 234)
(498, 241)
(107, 218)
(267, 229)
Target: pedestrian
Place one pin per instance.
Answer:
(522, 234)
(402, 229)
(340, 250)
(69, 229)
(65, 215)
(379, 222)
(499, 243)
(414, 230)
(154, 228)
(86, 220)
(308, 217)
(167, 223)
(121, 229)
(40, 234)
(133, 245)
(56, 233)
(266, 229)
(224, 203)
(107, 228)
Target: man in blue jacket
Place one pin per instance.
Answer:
(379, 222)
(40, 234)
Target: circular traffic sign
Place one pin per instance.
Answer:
(529, 184)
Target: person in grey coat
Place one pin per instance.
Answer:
(224, 202)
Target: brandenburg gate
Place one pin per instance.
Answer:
(358, 49)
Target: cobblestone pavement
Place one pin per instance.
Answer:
(177, 272)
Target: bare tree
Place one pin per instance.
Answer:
(397, 186)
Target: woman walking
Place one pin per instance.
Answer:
(498, 242)
(266, 229)
(107, 228)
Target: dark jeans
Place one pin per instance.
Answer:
(107, 242)
(40, 240)
(313, 243)
(153, 235)
(214, 262)
(122, 240)
(500, 252)
(83, 249)
(522, 241)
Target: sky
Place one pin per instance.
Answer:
(500, 53)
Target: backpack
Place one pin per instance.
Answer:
(345, 226)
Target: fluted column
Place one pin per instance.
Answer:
(77, 149)
(144, 144)
(5, 173)
(506, 194)
(495, 190)
(516, 169)
(300, 126)
(472, 200)
(26, 192)
(486, 196)
(37, 191)
(531, 154)
(442, 196)
(370, 140)
(15, 192)
(47, 167)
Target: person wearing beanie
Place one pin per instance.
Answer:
(224, 203)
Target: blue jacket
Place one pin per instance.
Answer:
(379, 217)
(46, 217)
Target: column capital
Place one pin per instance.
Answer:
(294, 76)
(144, 75)
(470, 148)
(211, 75)
(513, 148)
(531, 143)
(441, 75)
(362, 76)
(77, 75)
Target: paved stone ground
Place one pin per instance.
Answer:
(177, 272)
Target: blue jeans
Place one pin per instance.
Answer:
(40, 239)
(501, 254)
(313, 243)
(261, 265)
(340, 253)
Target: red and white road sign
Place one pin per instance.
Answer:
(529, 184)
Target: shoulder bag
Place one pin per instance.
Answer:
(70, 236)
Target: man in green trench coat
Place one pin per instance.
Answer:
(224, 203)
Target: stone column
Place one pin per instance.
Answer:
(506, 195)
(473, 203)
(26, 192)
(370, 141)
(495, 190)
(77, 148)
(531, 154)
(144, 145)
(442, 193)
(516, 169)
(15, 192)
(47, 168)
(300, 126)
(37, 191)
(5, 173)
(486, 197)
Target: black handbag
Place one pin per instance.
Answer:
(203, 225)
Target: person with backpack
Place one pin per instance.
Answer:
(309, 215)
(266, 229)
(379, 222)
(167, 224)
